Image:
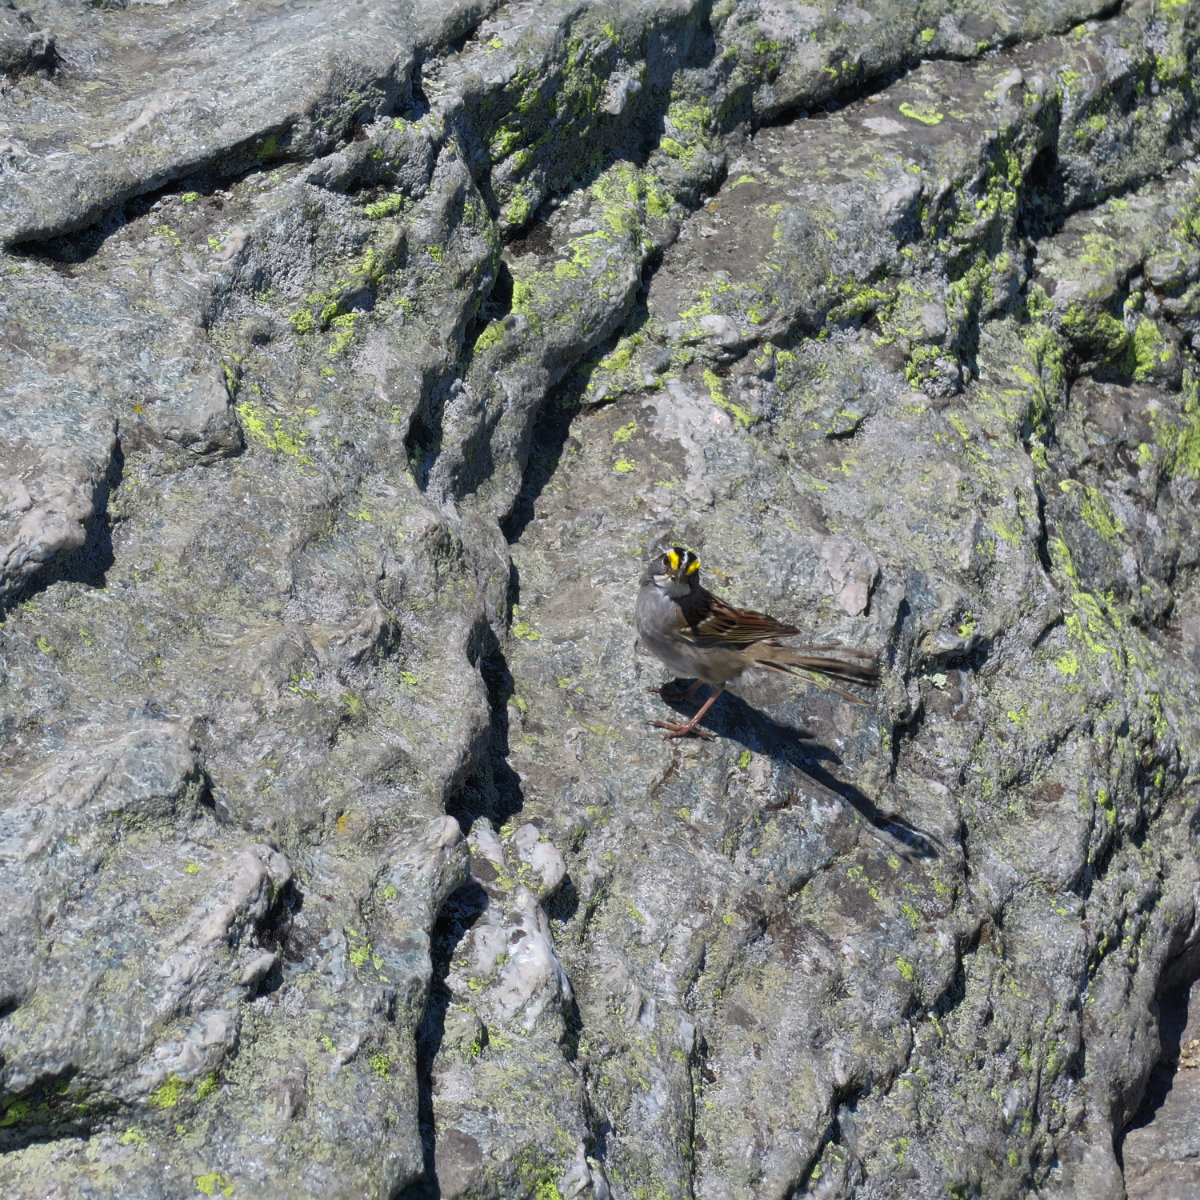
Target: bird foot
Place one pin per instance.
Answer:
(682, 729)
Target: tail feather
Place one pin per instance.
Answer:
(826, 662)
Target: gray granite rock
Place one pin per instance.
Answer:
(352, 359)
(1159, 1151)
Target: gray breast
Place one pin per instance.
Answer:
(657, 615)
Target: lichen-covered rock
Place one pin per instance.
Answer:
(352, 363)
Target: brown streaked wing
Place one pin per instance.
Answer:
(712, 621)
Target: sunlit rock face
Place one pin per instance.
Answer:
(354, 358)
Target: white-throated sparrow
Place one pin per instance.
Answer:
(702, 637)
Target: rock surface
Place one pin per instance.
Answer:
(1161, 1150)
(352, 360)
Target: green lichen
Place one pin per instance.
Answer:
(1182, 443)
(674, 149)
(302, 321)
(691, 121)
(1044, 375)
(1098, 334)
(658, 201)
(210, 1185)
(716, 390)
(493, 334)
(622, 354)
(389, 206)
(522, 629)
(519, 211)
(282, 434)
(1095, 512)
(1149, 348)
(344, 324)
(329, 307)
(925, 113)
(13, 1111)
(168, 1094)
(1067, 663)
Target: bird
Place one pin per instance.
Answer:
(707, 639)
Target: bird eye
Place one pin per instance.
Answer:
(671, 558)
(693, 566)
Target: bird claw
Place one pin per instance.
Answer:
(682, 729)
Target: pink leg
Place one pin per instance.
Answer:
(681, 728)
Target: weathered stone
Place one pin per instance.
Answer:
(353, 360)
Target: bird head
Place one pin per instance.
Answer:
(676, 571)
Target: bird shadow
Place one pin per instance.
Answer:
(731, 717)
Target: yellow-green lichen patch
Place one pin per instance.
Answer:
(281, 434)
(1097, 334)
(214, 1183)
(330, 307)
(1178, 439)
(168, 1094)
(1095, 511)
(13, 1111)
(519, 211)
(492, 335)
(716, 389)
(344, 335)
(1092, 621)
(1067, 663)
(522, 629)
(927, 114)
(1150, 349)
(390, 205)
